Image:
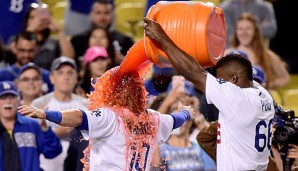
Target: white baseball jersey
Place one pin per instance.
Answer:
(244, 125)
(109, 144)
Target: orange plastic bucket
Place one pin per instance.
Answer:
(196, 27)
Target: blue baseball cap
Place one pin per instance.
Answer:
(29, 66)
(258, 74)
(189, 88)
(8, 87)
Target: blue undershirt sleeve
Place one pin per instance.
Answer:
(84, 124)
(180, 118)
(54, 116)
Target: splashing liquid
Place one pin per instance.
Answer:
(122, 90)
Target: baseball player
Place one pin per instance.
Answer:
(121, 138)
(245, 108)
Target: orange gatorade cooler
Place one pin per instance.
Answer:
(196, 27)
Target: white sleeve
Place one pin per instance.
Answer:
(224, 95)
(165, 126)
(101, 123)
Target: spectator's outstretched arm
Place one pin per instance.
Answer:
(181, 61)
(69, 118)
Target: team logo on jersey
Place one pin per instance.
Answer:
(96, 113)
(220, 81)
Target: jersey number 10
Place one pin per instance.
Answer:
(135, 161)
(262, 137)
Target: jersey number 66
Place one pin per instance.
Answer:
(261, 137)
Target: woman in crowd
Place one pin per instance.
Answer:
(96, 62)
(100, 37)
(249, 39)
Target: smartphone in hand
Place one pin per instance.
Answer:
(178, 83)
(44, 13)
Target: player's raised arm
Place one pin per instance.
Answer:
(69, 118)
(181, 61)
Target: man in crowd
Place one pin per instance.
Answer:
(29, 83)
(102, 15)
(26, 49)
(22, 139)
(64, 78)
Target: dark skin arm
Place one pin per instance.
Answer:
(181, 61)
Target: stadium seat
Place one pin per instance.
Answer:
(119, 2)
(139, 31)
(58, 12)
(215, 2)
(125, 28)
(52, 3)
(129, 13)
(290, 98)
(293, 84)
(276, 97)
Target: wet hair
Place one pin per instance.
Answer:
(130, 93)
(240, 60)
(117, 91)
(27, 36)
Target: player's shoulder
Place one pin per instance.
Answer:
(101, 116)
(154, 112)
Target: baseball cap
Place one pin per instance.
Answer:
(240, 52)
(8, 87)
(189, 88)
(95, 52)
(63, 60)
(258, 74)
(29, 65)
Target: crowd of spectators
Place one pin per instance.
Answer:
(54, 67)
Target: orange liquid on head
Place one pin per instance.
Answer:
(122, 86)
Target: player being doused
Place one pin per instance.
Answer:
(123, 133)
